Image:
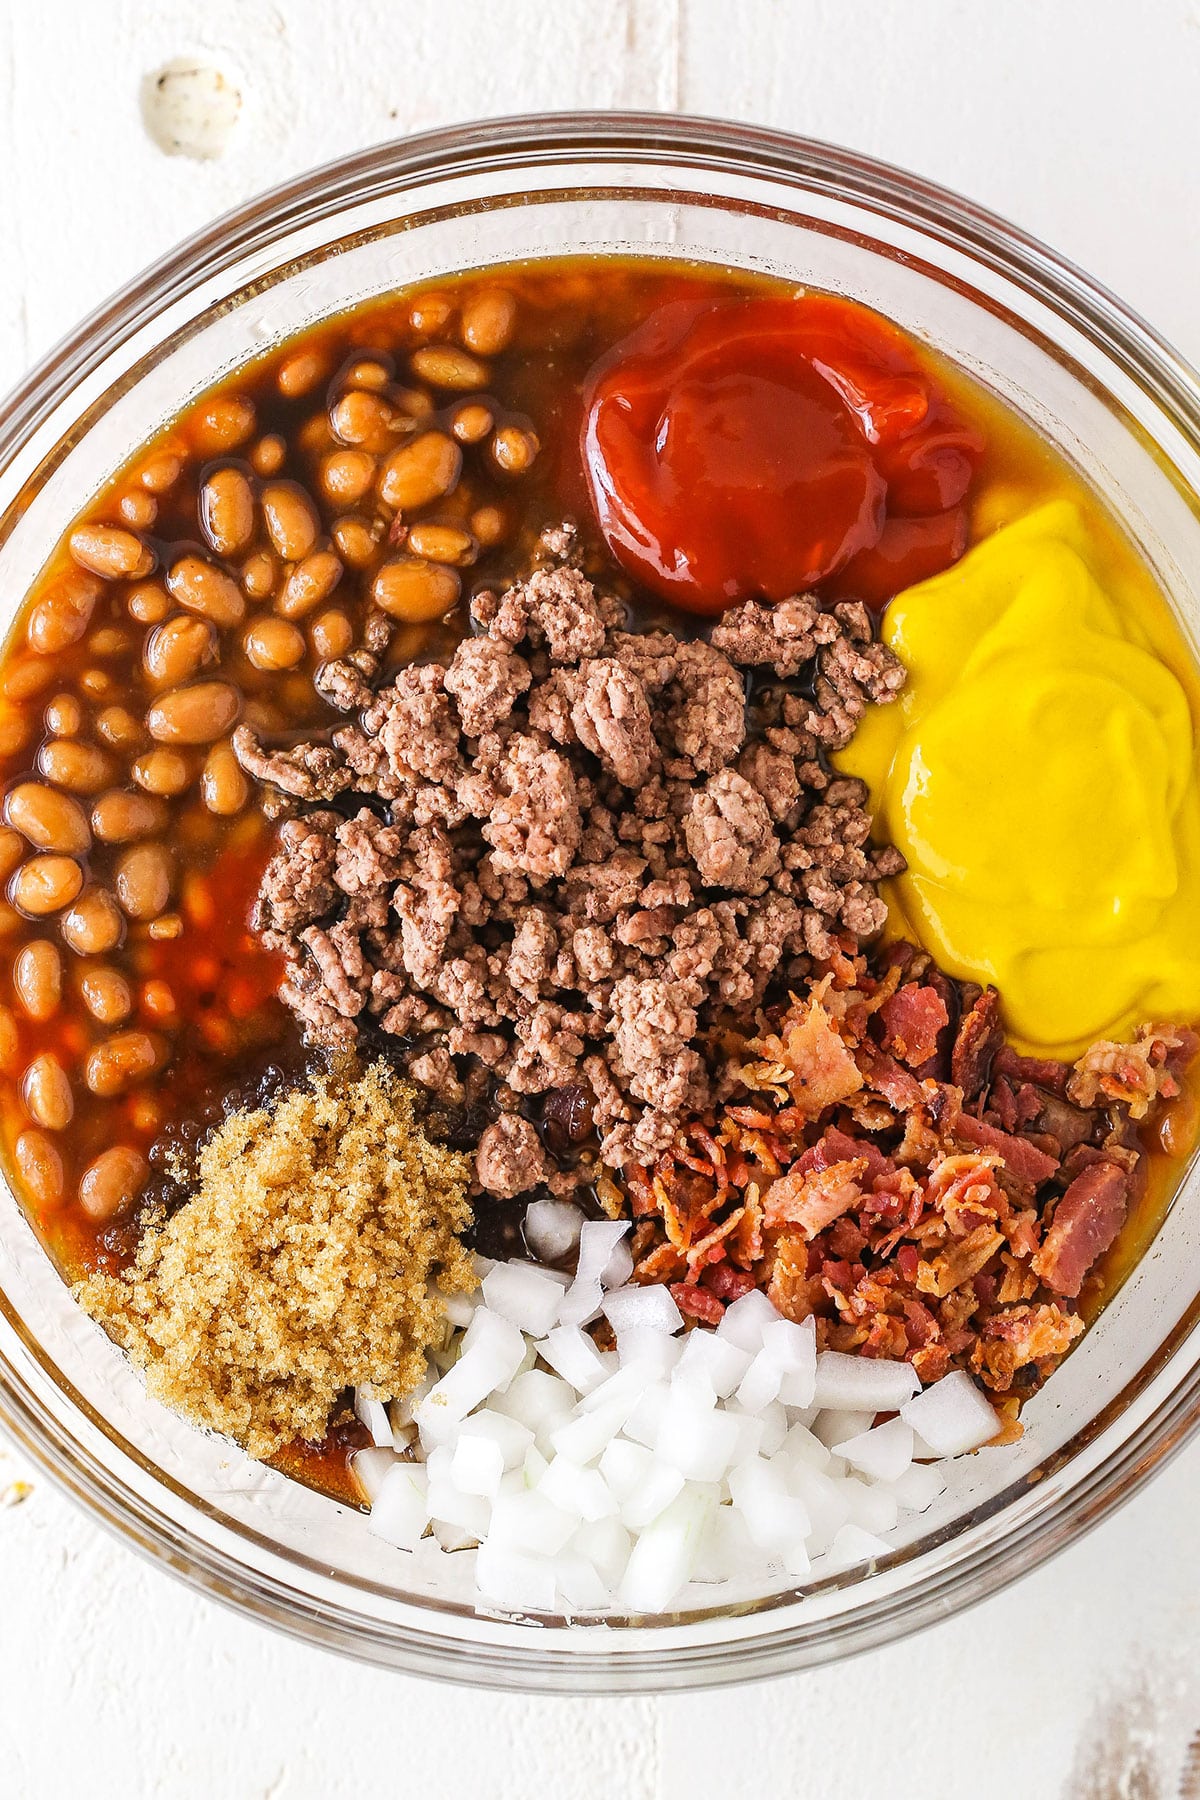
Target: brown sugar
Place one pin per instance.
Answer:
(314, 1256)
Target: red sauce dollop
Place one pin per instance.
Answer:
(765, 447)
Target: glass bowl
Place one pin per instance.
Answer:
(1093, 378)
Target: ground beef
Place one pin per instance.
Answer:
(571, 857)
(510, 1159)
(486, 679)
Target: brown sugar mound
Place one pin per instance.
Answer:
(314, 1256)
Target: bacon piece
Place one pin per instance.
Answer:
(980, 1035)
(823, 1070)
(1042, 1071)
(1022, 1335)
(902, 1091)
(1132, 1075)
(1022, 1160)
(1086, 1221)
(834, 1146)
(964, 1190)
(664, 1264)
(792, 1290)
(727, 1283)
(813, 1201)
(697, 1302)
(912, 1020)
(959, 1261)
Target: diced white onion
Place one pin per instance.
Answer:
(525, 1295)
(952, 1416)
(400, 1510)
(374, 1415)
(651, 1308)
(882, 1453)
(552, 1229)
(863, 1383)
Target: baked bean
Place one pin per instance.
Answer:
(179, 649)
(224, 423)
(64, 716)
(301, 373)
(81, 768)
(194, 715)
(46, 1091)
(488, 321)
(158, 1000)
(444, 366)
(162, 772)
(50, 820)
(40, 1166)
(268, 456)
(37, 978)
(26, 679)
(111, 552)
(272, 643)
(260, 575)
(106, 994)
(148, 603)
(514, 450)
(414, 591)
(416, 405)
(290, 518)
(10, 1040)
(144, 875)
(369, 373)
(94, 924)
(12, 849)
(357, 540)
(346, 475)
(488, 525)
(227, 511)
(63, 614)
(207, 590)
(331, 634)
(309, 584)
(314, 437)
(138, 508)
(472, 422)
(118, 727)
(168, 925)
(110, 640)
(365, 421)
(421, 471)
(14, 732)
(96, 683)
(431, 314)
(120, 816)
(45, 884)
(160, 474)
(442, 543)
(223, 785)
(110, 1185)
(122, 1059)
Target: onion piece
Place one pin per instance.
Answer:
(552, 1229)
(952, 1416)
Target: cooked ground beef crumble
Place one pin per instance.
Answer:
(573, 860)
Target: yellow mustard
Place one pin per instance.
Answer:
(1039, 773)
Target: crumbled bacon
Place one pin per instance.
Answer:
(952, 1223)
(1086, 1222)
(912, 1019)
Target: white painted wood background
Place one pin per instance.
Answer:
(1078, 118)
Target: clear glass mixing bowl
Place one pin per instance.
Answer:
(1091, 376)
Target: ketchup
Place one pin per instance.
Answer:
(766, 447)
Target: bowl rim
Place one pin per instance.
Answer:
(521, 142)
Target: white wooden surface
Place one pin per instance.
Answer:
(1078, 119)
